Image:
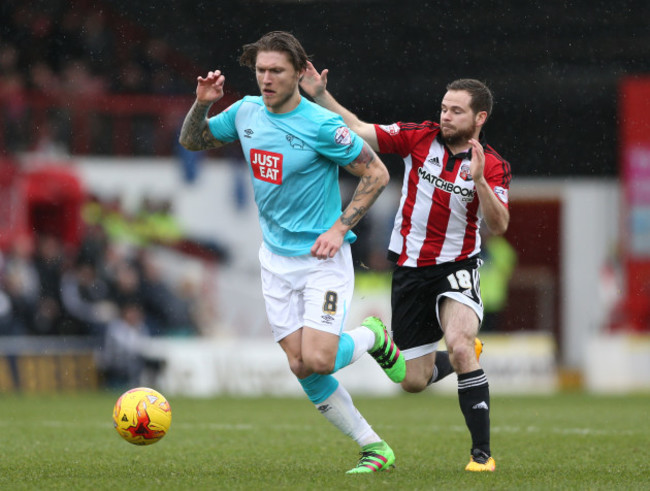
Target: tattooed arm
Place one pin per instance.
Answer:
(195, 133)
(373, 178)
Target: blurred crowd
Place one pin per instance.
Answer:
(48, 288)
(109, 288)
(69, 52)
(72, 47)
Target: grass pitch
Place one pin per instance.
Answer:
(567, 441)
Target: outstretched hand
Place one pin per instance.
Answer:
(312, 82)
(477, 165)
(210, 88)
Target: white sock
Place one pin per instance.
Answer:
(434, 376)
(340, 411)
(364, 340)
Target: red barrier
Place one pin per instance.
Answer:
(106, 124)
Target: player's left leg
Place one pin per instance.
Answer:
(442, 366)
(384, 350)
(326, 298)
(333, 401)
(460, 324)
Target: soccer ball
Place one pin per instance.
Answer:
(142, 416)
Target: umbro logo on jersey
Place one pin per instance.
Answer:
(480, 405)
(327, 319)
(247, 133)
(468, 293)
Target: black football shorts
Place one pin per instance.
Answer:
(416, 294)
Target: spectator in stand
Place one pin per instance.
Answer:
(8, 326)
(86, 302)
(49, 263)
(157, 223)
(13, 107)
(126, 285)
(499, 262)
(98, 42)
(121, 356)
(166, 312)
(20, 283)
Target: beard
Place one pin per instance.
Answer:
(457, 136)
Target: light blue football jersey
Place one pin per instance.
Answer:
(294, 161)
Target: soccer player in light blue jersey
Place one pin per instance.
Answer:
(294, 149)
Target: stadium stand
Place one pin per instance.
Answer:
(115, 78)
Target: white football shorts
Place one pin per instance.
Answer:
(306, 291)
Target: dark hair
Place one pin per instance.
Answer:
(275, 41)
(481, 95)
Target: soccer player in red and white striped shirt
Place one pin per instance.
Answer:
(453, 181)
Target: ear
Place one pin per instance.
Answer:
(481, 118)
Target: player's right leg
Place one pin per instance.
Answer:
(385, 351)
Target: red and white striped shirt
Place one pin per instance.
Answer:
(438, 218)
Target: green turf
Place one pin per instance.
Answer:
(568, 441)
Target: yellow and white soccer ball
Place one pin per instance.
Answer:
(142, 416)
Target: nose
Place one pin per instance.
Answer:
(267, 77)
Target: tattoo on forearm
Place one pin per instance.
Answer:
(355, 215)
(365, 195)
(195, 133)
(367, 191)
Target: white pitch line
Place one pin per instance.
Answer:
(289, 427)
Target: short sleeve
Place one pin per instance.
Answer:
(400, 138)
(498, 176)
(337, 142)
(223, 126)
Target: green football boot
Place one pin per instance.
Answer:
(375, 457)
(385, 351)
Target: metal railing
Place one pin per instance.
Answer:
(106, 124)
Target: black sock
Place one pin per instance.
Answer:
(442, 367)
(474, 399)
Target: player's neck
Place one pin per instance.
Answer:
(458, 148)
(287, 106)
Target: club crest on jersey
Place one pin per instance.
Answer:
(391, 129)
(464, 172)
(267, 166)
(342, 136)
(296, 142)
(502, 193)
